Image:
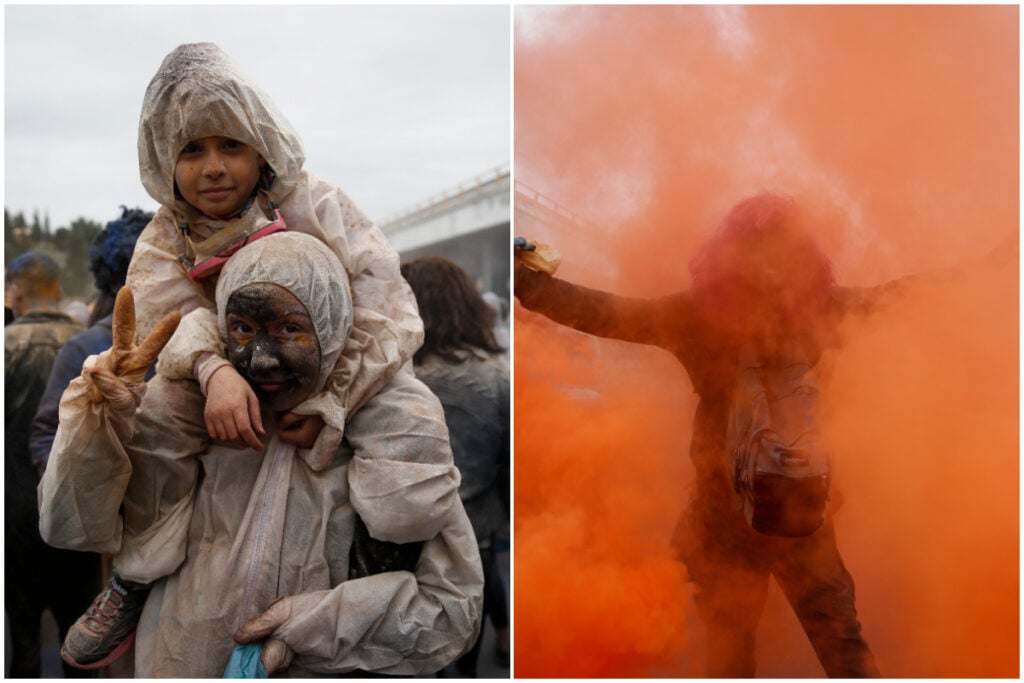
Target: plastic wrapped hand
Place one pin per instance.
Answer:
(276, 655)
(536, 255)
(124, 365)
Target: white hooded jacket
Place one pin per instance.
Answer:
(253, 527)
(199, 92)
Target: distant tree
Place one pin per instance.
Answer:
(75, 275)
(10, 238)
(61, 239)
(17, 239)
(68, 245)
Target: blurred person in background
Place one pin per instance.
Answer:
(465, 366)
(109, 256)
(77, 310)
(501, 322)
(33, 572)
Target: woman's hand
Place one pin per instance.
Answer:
(126, 362)
(232, 409)
(299, 430)
(276, 655)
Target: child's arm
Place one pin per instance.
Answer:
(160, 286)
(196, 351)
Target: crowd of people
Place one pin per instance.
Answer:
(266, 452)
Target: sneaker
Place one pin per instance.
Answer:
(107, 630)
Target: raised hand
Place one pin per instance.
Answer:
(132, 360)
(126, 362)
(535, 255)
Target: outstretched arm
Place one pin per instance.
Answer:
(865, 302)
(644, 321)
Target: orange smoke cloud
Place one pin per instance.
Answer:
(896, 128)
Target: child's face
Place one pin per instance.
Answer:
(273, 345)
(217, 175)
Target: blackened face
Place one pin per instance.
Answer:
(273, 345)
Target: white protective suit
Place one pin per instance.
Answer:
(256, 526)
(199, 92)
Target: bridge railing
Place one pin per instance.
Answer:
(541, 217)
(441, 202)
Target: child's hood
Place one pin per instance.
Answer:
(198, 92)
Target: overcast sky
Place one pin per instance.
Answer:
(393, 104)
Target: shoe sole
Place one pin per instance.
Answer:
(106, 661)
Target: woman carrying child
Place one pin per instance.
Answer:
(272, 537)
(227, 169)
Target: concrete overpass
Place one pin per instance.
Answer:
(538, 217)
(468, 224)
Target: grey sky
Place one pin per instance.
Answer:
(393, 104)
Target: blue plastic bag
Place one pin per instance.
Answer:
(245, 662)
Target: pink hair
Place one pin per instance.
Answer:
(762, 234)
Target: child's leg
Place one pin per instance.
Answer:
(107, 629)
(157, 514)
(158, 502)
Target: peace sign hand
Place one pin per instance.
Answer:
(125, 364)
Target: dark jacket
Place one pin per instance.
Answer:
(475, 397)
(31, 344)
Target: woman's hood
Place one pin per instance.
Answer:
(307, 268)
(198, 92)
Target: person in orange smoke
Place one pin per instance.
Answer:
(761, 289)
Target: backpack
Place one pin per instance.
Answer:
(781, 470)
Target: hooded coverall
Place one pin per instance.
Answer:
(258, 526)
